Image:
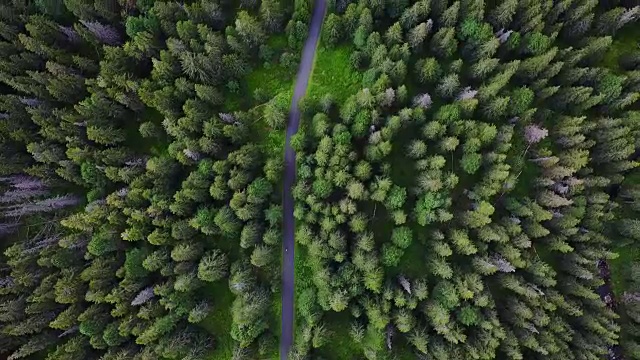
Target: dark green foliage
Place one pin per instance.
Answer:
(463, 168)
(503, 113)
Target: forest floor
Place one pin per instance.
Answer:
(219, 320)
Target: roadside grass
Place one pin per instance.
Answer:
(271, 78)
(275, 324)
(218, 322)
(273, 144)
(333, 74)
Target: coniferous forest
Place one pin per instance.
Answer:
(468, 179)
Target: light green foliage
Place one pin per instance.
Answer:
(333, 74)
(402, 237)
(391, 255)
(471, 162)
(428, 70)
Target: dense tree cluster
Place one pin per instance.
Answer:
(460, 200)
(134, 196)
(462, 204)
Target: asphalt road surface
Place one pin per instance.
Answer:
(302, 81)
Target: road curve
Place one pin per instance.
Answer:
(302, 81)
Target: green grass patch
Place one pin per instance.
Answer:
(340, 345)
(275, 325)
(333, 74)
(413, 261)
(624, 42)
(272, 140)
(271, 78)
(218, 322)
(620, 268)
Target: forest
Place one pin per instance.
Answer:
(467, 179)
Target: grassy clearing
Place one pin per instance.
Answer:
(218, 322)
(340, 344)
(620, 268)
(274, 144)
(333, 74)
(626, 41)
(275, 327)
(271, 78)
(412, 263)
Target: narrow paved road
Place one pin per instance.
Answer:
(302, 81)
